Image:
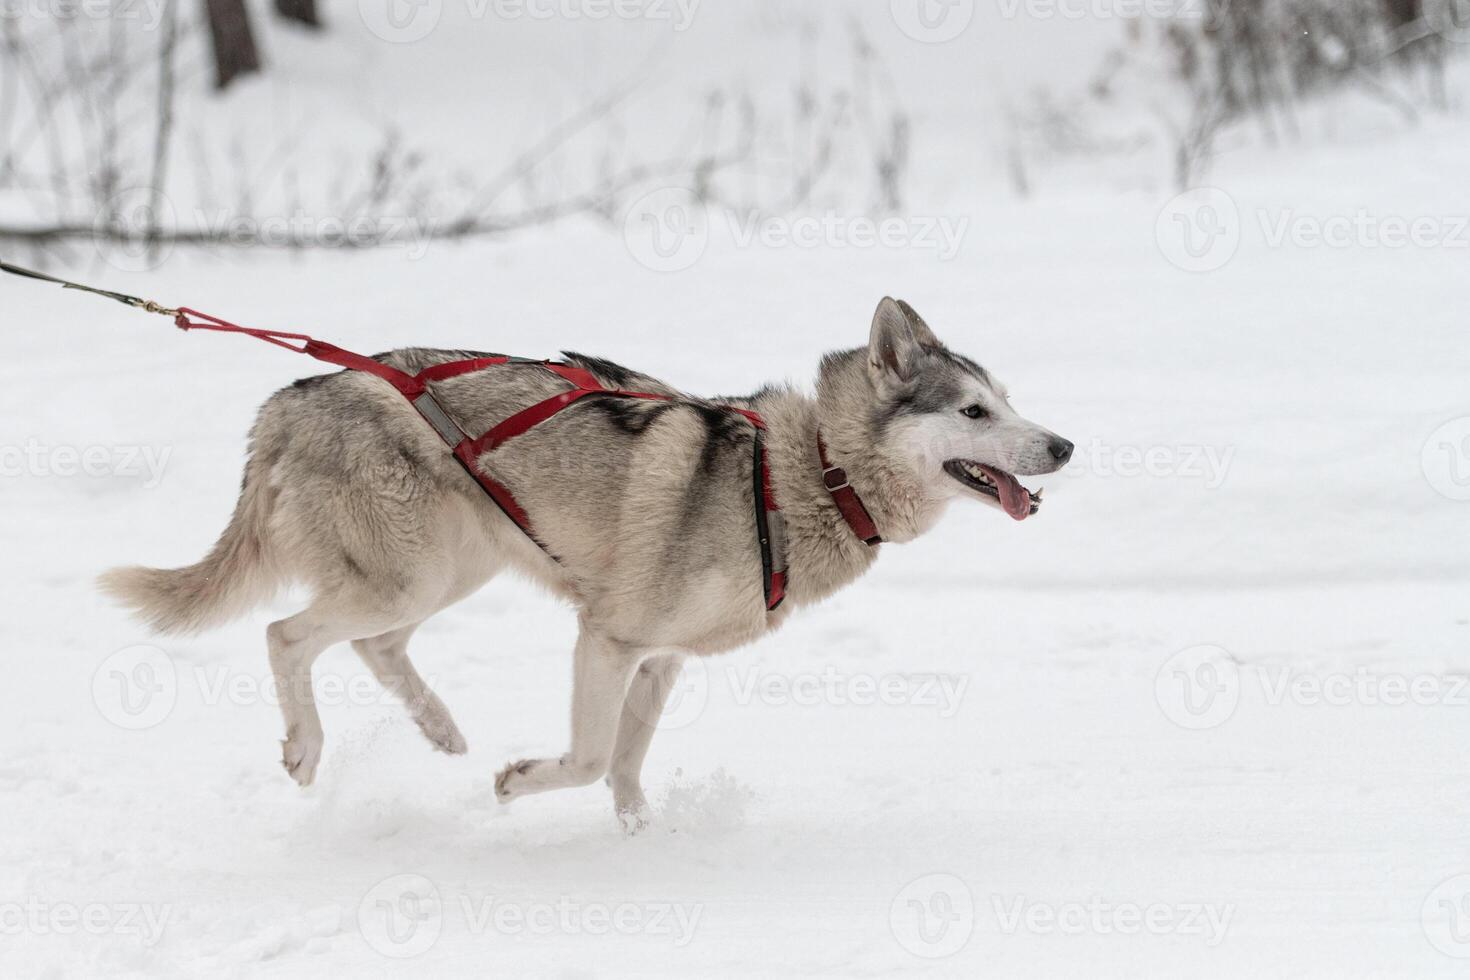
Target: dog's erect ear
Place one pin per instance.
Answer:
(921, 329)
(896, 341)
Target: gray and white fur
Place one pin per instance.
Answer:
(648, 505)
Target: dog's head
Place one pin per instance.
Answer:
(941, 420)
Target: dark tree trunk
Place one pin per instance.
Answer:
(301, 11)
(234, 43)
(1402, 12)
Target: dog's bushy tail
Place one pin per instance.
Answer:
(235, 576)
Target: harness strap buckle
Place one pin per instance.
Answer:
(435, 415)
(834, 478)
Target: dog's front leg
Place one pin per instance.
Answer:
(603, 669)
(647, 695)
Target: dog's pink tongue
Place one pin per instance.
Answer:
(1013, 497)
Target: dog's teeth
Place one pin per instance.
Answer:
(1037, 494)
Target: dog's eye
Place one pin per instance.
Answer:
(974, 412)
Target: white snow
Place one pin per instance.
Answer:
(979, 750)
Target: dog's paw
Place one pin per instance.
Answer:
(634, 817)
(505, 788)
(300, 754)
(443, 733)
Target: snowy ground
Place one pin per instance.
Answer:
(1205, 716)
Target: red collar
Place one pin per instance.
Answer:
(834, 478)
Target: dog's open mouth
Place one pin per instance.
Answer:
(1014, 499)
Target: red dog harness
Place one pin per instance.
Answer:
(770, 527)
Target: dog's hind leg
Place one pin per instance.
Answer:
(647, 695)
(387, 657)
(294, 645)
(296, 642)
(603, 670)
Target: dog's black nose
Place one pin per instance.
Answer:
(1061, 450)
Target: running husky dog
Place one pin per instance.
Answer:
(646, 505)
